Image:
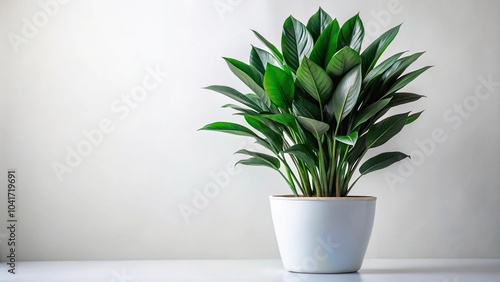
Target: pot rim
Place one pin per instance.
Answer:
(303, 198)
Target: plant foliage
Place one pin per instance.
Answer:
(319, 105)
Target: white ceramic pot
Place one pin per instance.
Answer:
(322, 235)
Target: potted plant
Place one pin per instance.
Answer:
(317, 107)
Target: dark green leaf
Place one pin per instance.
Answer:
(314, 80)
(384, 130)
(235, 95)
(317, 23)
(259, 159)
(229, 127)
(405, 79)
(271, 47)
(381, 68)
(240, 109)
(398, 68)
(316, 127)
(413, 117)
(303, 153)
(369, 112)
(260, 58)
(348, 139)
(306, 108)
(250, 76)
(279, 86)
(403, 98)
(381, 161)
(296, 42)
(376, 48)
(352, 33)
(285, 119)
(260, 125)
(343, 61)
(345, 95)
(326, 45)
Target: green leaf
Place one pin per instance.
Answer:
(345, 95)
(317, 23)
(316, 127)
(384, 130)
(285, 119)
(260, 58)
(413, 117)
(240, 109)
(326, 45)
(279, 86)
(352, 33)
(229, 127)
(270, 46)
(381, 161)
(398, 68)
(275, 162)
(369, 112)
(260, 159)
(303, 153)
(405, 79)
(314, 80)
(343, 61)
(348, 139)
(381, 68)
(296, 42)
(373, 52)
(250, 76)
(235, 95)
(260, 125)
(306, 108)
(403, 98)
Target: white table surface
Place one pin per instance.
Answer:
(421, 270)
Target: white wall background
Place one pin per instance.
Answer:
(123, 199)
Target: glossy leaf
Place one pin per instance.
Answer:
(250, 76)
(306, 108)
(326, 45)
(285, 119)
(263, 159)
(343, 61)
(277, 54)
(235, 95)
(240, 109)
(403, 98)
(314, 80)
(317, 23)
(316, 127)
(369, 112)
(352, 33)
(348, 139)
(413, 117)
(296, 42)
(384, 130)
(279, 86)
(260, 58)
(382, 67)
(303, 153)
(373, 52)
(257, 123)
(229, 127)
(345, 95)
(399, 67)
(381, 161)
(405, 79)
